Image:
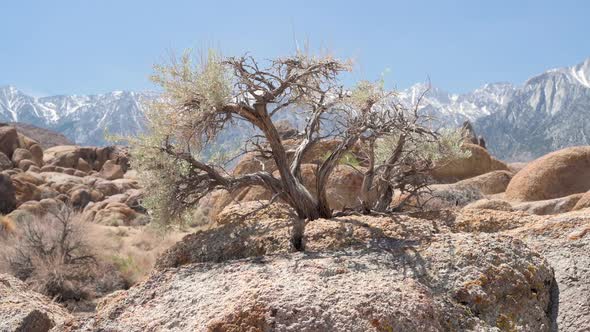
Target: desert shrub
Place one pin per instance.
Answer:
(401, 164)
(127, 266)
(197, 217)
(52, 255)
(419, 148)
(131, 251)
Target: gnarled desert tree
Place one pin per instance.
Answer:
(402, 150)
(202, 100)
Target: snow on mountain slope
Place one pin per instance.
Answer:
(83, 119)
(550, 111)
(452, 109)
(15, 105)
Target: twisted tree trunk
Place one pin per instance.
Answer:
(385, 189)
(296, 194)
(366, 200)
(325, 171)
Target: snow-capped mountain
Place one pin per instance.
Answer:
(548, 112)
(453, 109)
(83, 119)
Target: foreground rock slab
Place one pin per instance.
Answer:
(359, 274)
(23, 310)
(564, 240)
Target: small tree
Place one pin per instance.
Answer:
(52, 255)
(401, 159)
(200, 101)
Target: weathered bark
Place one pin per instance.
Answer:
(366, 201)
(385, 197)
(297, 233)
(325, 171)
(298, 196)
(306, 143)
(384, 187)
(385, 194)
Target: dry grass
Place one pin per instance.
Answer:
(132, 250)
(75, 261)
(52, 255)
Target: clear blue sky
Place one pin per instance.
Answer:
(83, 46)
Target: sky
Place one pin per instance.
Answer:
(89, 47)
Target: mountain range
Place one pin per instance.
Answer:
(82, 119)
(548, 112)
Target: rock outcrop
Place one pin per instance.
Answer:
(5, 162)
(18, 150)
(479, 162)
(46, 138)
(86, 178)
(583, 202)
(549, 206)
(469, 135)
(439, 197)
(488, 183)
(8, 139)
(111, 171)
(22, 310)
(93, 158)
(564, 240)
(558, 174)
(490, 204)
(358, 274)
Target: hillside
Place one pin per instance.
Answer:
(46, 138)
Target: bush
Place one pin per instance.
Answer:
(51, 254)
(131, 251)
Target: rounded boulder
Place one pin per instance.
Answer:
(479, 162)
(7, 194)
(557, 174)
(5, 162)
(8, 140)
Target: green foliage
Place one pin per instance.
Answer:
(448, 145)
(206, 81)
(367, 92)
(347, 159)
(160, 174)
(444, 146)
(193, 94)
(184, 117)
(125, 264)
